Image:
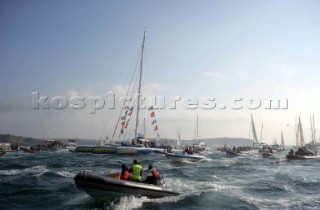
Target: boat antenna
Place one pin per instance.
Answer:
(139, 89)
(261, 133)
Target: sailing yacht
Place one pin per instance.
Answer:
(200, 146)
(303, 152)
(137, 144)
(278, 147)
(314, 145)
(256, 144)
(187, 156)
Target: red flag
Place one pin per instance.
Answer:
(156, 128)
(152, 114)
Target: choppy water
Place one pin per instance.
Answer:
(45, 181)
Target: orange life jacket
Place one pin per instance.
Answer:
(155, 173)
(125, 175)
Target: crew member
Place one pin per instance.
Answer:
(291, 152)
(136, 171)
(125, 175)
(153, 176)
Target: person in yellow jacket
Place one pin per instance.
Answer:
(136, 171)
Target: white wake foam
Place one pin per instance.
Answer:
(35, 171)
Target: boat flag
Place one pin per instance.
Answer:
(154, 121)
(156, 128)
(152, 114)
(150, 108)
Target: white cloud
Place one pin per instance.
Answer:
(213, 75)
(72, 93)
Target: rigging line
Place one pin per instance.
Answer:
(132, 69)
(129, 103)
(123, 105)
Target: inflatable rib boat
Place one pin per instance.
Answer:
(301, 157)
(98, 186)
(184, 157)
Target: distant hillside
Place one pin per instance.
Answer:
(27, 141)
(218, 142)
(20, 140)
(212, 142)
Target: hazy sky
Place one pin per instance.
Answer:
(222, 49)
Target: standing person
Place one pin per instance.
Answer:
(136, 171)
(153, 176)
(125, 175)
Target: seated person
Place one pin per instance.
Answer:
(125, 175)
(291, 152)
(136, 171)
(188, 151)
(153, 176)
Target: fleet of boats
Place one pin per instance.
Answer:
(99, 186)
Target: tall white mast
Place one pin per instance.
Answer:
(301, 135)
(297, 131)
(312, 136)
(197, 128)
(139, 88)
(196, 133)
(261, 133)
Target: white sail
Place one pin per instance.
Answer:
(282, 140)
(299, 135)
(261, 133)
(255, 138)
(313, 130)
(179, 140)
(275, 142)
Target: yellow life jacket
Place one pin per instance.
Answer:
(136, 171)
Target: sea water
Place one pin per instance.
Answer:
(45, 181)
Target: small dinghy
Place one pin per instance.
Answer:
(267, 155)
(100, 187)
(231, 154)
(184, 157)
(301, 157)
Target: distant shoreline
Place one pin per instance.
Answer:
(211, 142)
